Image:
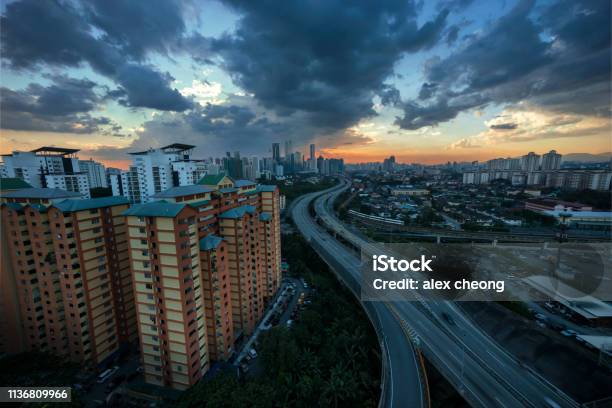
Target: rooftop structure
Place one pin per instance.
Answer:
(54, 151)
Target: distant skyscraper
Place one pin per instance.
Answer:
(551, 160)
(288, 149)
(276, 152)
(312, 151)
(389, 164)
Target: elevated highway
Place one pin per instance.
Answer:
(402, 380)
(484, 373)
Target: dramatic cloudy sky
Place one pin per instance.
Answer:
(427, 81)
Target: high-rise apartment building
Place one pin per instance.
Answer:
(51, 167)
(96, 173)
(530, 162)
(69, 258)
(165, 263)
(551, 161)
(156, 170)
(205, 260)
(250, 168)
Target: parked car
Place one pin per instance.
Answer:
(253, 353)
(106, 375)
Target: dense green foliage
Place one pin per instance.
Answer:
(330, 357)
(299, 187)
(428, 216)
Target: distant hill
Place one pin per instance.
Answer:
(587, 157)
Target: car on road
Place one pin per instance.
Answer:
(252, 353)
(289, 323)
(540, 316)
(569, 333)
(106, 375)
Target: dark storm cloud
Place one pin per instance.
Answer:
(63, 106)
(138, 27)
(139, 87)
(214, 128)
(55, 33)
(325, 60)
(560, 61)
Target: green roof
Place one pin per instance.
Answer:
(155, 209)
(90, 204)
(210, 242)
(238, 212)
(198, 203)
(268, 188)
(12, 183)
(212, 179)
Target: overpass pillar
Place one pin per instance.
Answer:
(494, 243)
(438, 239)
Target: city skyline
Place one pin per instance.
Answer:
(428, 83)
